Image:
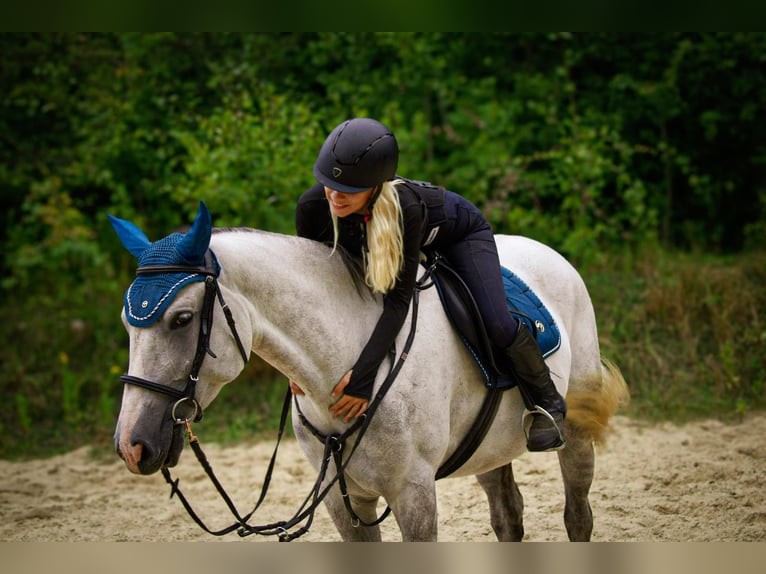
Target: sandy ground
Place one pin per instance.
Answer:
(704, 481)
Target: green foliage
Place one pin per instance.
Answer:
(250, 162)
(597, 144)
(687, 331)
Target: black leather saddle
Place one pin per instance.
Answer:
(460, 307)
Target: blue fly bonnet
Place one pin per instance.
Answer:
(150, 294)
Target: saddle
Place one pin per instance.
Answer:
(463, 313)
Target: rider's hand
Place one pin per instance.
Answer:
(346, 405)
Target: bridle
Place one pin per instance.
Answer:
(186, 408)
(335, 445)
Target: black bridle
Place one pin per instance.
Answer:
(179, 413)
(335, 446)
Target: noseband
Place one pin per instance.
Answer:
(186, 408)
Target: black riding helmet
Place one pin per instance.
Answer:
(358, 154)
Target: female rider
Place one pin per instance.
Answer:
(360, 204)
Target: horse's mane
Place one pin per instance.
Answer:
(352, 263)
(355, 268)
(234, 230)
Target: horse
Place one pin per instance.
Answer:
(296, 304)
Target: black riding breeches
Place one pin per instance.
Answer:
(468, 244)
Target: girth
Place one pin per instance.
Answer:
(463, 313)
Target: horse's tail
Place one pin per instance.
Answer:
(590, 408)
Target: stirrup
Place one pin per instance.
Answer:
(526, 424)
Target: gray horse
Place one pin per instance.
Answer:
(297, 307)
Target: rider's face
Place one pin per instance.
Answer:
(343, 204)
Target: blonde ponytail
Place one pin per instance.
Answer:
(383, 258)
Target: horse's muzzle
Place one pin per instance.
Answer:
(146, 454)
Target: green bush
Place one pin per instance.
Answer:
(604, 146)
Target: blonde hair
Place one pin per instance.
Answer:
(383, 256)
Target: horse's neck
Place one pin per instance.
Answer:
(309, 321)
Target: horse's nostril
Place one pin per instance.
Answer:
(148, 458)
(142, 452)
(132, 453)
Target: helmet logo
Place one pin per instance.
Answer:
(336, 171)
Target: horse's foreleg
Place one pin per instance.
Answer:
(365, 508)
(414, 507)
(506, 505)
(577, 461)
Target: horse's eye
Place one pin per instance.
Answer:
(182, 319)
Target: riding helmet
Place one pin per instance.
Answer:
(360, 153)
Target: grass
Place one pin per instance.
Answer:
(687, 331)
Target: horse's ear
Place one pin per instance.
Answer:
(195, 243)
(131, 236)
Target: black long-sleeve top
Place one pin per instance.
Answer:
(422, 206)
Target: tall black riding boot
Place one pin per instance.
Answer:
(547, 407)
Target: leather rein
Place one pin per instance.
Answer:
(334, 444)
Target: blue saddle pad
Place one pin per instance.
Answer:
(526, 306)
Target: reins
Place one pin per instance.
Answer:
(334, 447)
(335, 444)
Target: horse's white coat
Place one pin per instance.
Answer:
(298, 308)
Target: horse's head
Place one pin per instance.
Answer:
(179, 356)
